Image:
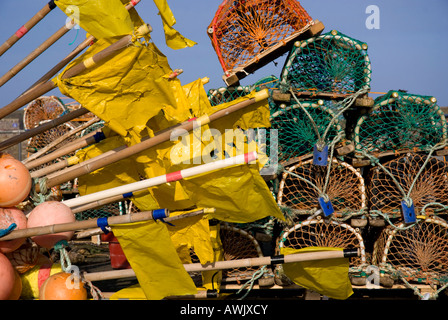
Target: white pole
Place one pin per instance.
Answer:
(170, 177)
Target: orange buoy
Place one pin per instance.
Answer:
(7, 277)
(8, 216)
(15, 182)
(50, 213)
(63, 286)
(17, 288)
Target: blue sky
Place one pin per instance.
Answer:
(409, 51)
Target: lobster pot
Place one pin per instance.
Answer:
(41, 109)
(299, 126)
(400, 122)
(319, 233)
(226, 94)
(41, 140)
(330, 63)
(242, 30)
(108, 210)
(417, 253)
(303, 183)
(420, 177)
(238, 244)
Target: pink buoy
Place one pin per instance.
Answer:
(7, 276)
(50, 213)
(15, 182)
(8, 216)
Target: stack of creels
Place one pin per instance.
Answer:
(243, 31)
(408, 186)
(304, 188)
(416, 254)
(321, 233)
(298, 127)
(400, 122)
(331, 65)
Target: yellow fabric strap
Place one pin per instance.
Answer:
(72, 160)
(88, 63)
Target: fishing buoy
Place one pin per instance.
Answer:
(50, 213)
(33, 279)
(8, 217)
(7, 277)
(15, 182)
(63, 286)
(17, 288)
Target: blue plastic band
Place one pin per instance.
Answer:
(4, 232)
(160, 214)
(99, 136)
(127, 195)
(102, 223)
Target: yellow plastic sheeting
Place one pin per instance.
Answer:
(173, 38)
(151, 254)
(134, 292)
(100, 18)
(239, 194)
(192, 232)
(128, 89)
(211, 280)
(328, 277)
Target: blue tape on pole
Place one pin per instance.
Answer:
(160, 214)
(102, 223)
(127, 195)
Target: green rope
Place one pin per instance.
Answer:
(65, 259)
(250, 283)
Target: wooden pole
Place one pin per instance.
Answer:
(36, 52)
(230, 264)
(43, 127)
(44, 87)
(27, 27)
(82, 142)
(35, 92)
(163, 136)
(170, 177)
(87, 42)
(92, 223)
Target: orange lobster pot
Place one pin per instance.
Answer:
(15, 182)
(7, 217)
(50, 213)
(60, 287)
(7, 278)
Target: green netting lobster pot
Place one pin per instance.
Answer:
(299, 126)
(400, 122)
(332, 62)
(227, 94)
(419, 177)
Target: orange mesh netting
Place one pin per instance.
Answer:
(421, 178)
(418, 253)
(41, 109)
(242, 29)
(302, 184)
(318, 233)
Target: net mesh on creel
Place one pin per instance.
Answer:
(418, 253)
(329, 63)
(303, 183)
(300, 126)
(238, 244)
(318, 233)
(41, 109)
(242, 29)
(420, 177)
(400, 122)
